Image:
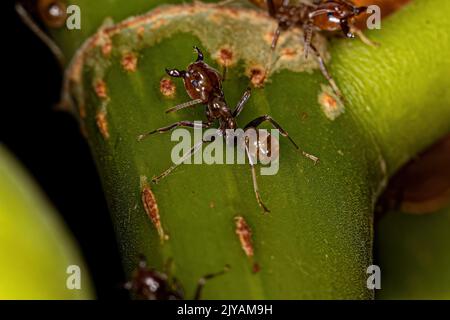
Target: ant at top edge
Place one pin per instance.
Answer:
(204, 86)
(320, 15)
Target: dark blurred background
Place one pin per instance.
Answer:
(49, 144)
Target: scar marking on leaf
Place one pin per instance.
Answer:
(244, 234)
(101, 89)
(129, 61)
(151, 208)
(102, 123)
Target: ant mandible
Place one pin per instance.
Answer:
(204, 85)
(324, 15)
(149, 284)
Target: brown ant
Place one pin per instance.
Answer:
(149, 284)
(323, 15)
(39, 15)
(204, 85)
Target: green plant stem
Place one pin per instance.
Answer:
(317, 242)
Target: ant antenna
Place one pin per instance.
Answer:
(199, 54)
(202, 281)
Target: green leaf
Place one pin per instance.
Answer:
(35, 247)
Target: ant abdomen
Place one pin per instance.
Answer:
(261, 146)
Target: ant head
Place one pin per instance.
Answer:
(147, 283)
(52, 12)
(335, 15)
(200, 80)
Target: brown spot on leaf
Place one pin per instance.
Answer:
(167, 87)
(102, 123)
(225, 56)
(289, 53)
(332, 107)
(129, 61)
(257, 75)
(100, 89)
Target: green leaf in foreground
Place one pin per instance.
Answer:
(35, 248)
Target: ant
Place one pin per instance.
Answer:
(323, 15)
(149, 284)
(204, 85)
(50, 14)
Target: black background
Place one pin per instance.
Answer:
(49, 145)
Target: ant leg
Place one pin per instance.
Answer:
(199, 54)
(275, 38)
(255, 182)
(258, 121)
(184, 105)
(34, 27)
(346, 29)
(224, 73)
(242, 102)
(308, 33)
(188, 124)
(363, 37)
(271, 8)
(186, 156)
(191, 152)
(177, 287)
(202, 281)
(272, 13)
(168, 267)
(325, 73)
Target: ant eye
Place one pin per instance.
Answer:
(195, 83)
